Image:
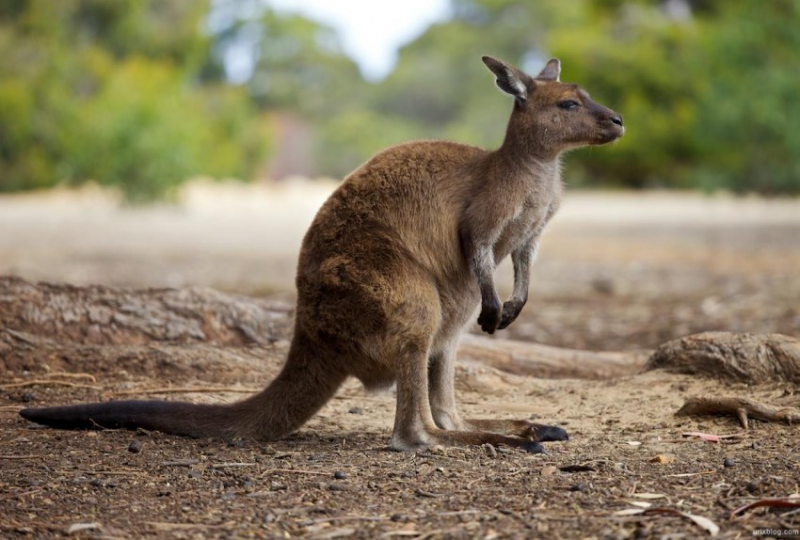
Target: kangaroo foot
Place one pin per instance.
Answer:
(524, 429)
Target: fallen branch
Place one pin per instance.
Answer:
(531, 359)
(741, 407)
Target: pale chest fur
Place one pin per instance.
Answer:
(535, 205)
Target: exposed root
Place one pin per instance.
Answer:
(741, 407)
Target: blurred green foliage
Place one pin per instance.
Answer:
(707, 92)
(121, 92)
(133, 93)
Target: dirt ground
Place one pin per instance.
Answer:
(615, 272)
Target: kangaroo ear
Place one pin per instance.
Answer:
(551, 72)
(510, 80)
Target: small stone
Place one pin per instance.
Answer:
(336, 487)
(27, 397)
(356, 410)
(549, 470)
(135, 447)
(580, 486)
(728, 462)
(398, 518)
(603, 286)
(662, 459)
(755, 445)
(491, 451)
(340, 475)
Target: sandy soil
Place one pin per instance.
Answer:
(616, 271)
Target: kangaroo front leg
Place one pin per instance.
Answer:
(523, 258)
(480, 255)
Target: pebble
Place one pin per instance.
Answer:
(356, 410)
(549, 470)
(336, 487)
(135, 447)
(27, 397)
(580, 486)
(340, 475)
(728, 462)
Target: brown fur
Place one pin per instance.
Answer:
(393, 268)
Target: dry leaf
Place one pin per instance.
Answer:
(78, 527)
(629, 512)
(640, 504)
(649, 495)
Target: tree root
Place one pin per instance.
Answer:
(741, 407)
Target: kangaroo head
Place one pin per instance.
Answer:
(550, 116)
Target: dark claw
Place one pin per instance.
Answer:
(543, 433)
(489, 318)
(533, 447)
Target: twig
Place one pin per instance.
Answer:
(118, 473)
(69, 375)
(14, 525)
(43, 382)
(11, 408)
(184, 390)
(180, 463)
(19, 457)
(345, 518)
(741, 407)
(294, 471)
(231, 465)
(772, 503)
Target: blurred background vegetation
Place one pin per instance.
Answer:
(137, 94)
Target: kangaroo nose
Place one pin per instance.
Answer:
(617, 120)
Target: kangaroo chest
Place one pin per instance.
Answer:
(529, 220)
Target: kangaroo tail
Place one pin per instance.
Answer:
(303, 386)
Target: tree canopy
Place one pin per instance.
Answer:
(142, 94)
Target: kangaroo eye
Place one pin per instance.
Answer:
(568, 105)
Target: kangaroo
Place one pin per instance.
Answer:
(392, 269)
